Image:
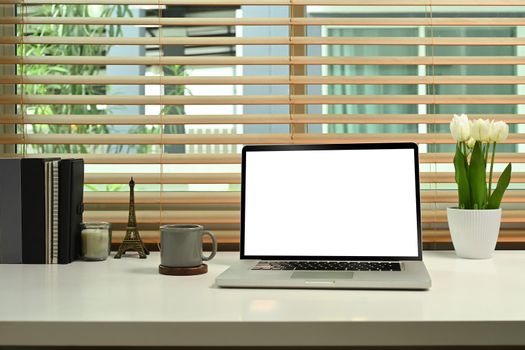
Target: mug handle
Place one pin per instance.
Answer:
(213, 248)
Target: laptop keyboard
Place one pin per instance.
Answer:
(327, 266)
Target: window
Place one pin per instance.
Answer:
(168, 92)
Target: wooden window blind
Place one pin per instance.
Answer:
(167, 91)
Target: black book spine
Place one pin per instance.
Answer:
(33, 212)
(77, 207)
(64, 205)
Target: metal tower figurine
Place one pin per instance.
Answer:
(132, 240)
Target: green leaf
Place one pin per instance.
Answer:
(462, 178)
(478, 177)
(503, 183)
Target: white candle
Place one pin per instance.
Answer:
(95, 243)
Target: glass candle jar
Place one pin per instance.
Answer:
(96, 240)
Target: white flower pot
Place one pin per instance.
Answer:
(474, 232)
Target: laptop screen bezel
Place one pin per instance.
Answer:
(360, 146)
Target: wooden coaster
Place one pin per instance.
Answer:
(183, 271)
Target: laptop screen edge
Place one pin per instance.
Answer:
(358, 146)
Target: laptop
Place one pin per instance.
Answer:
(330, 216)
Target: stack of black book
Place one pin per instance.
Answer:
(41, 206)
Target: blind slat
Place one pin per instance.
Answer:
(505, 235)
(249, 119)
(167, 197)
(150, 2)
(410, 2)
(448, 177)
(233, 216)
(154, 217)
(232, 236)
(435, 21)
(163, 60)
(164, 158)
(234, 178)
(263, 80)
(65, 40)
(279, 2)
(438, 158)
(191, 139)
(372, 21)
(442, 41)
(145, 21)
(274, 60)
(451, 196)
(263, 99)
(151, 119)
(143, 139)
(153, 236)
(165, 178)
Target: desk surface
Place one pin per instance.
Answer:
(94, 303)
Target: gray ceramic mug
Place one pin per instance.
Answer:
(181, 245)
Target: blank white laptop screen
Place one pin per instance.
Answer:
(329, 203)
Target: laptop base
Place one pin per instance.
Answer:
(413, 275)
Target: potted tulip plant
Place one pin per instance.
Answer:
(474, 224)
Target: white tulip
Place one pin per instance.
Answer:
(480, 130)
(471, 142)
(499, 131)
(460, 127)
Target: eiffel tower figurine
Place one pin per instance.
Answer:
(132, 240)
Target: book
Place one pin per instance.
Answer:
(71, 208)
(47, 188)
(52, 211)
(37, 203)
(10, 211)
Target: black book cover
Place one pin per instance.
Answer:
(33, 211)
(71, 207)
(10, 211)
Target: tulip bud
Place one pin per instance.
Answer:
(460, 127)
(499, 131)
(480, 130)
(471, 142)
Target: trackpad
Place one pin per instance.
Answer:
(323, 275)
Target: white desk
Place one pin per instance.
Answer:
(96, 303)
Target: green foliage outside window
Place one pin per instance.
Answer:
(39, 50)
(79, 30)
